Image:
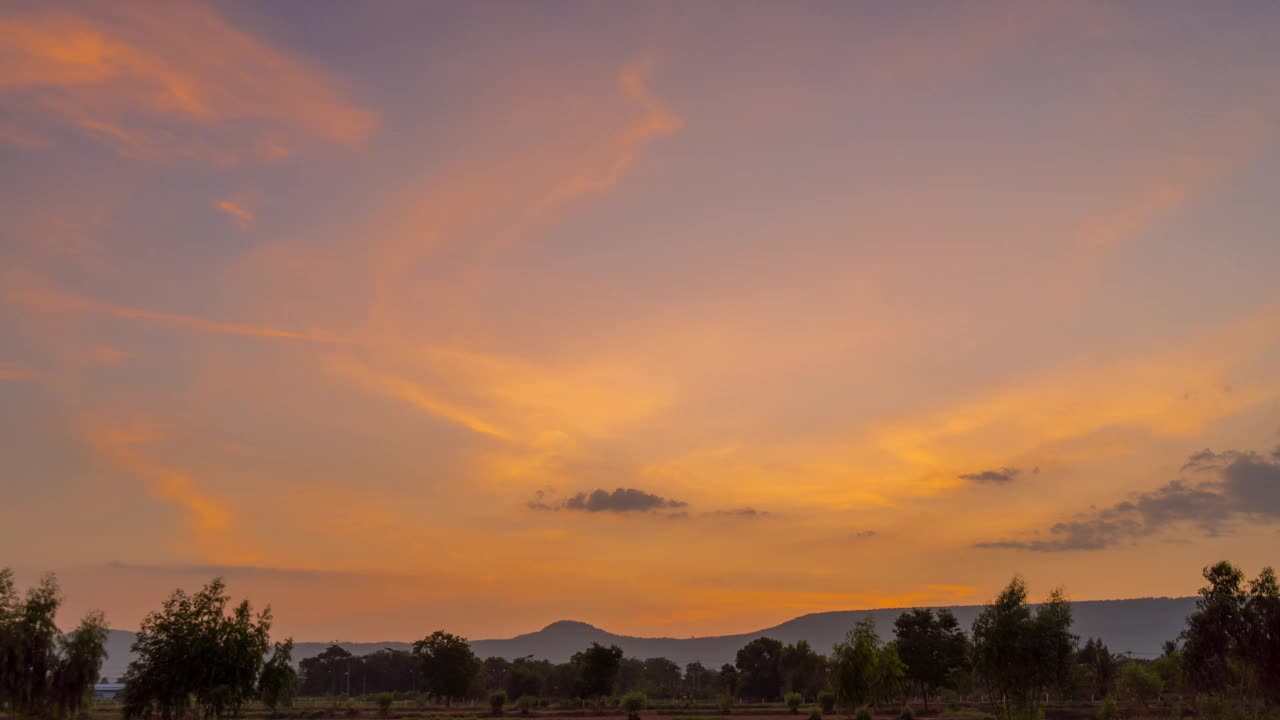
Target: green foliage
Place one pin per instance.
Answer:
(384, 701)
(1093, 674)
(634, 702)
(1109, 709)
(1020, 655)
(863, 713)
(1139, 683)
(497, 701)
(448, 665)
(1230, 642)
(42, 671)
(726, 703)
(815, 714)
(793, 700)
(278, 683)
(890, 674)
(527, 703)
(854, 664)
(907, 713)
(194, 649)
(827, 701)
(759, 665)
(597, 669)
(803, 669)
(933, 648)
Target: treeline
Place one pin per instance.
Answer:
(200, 655)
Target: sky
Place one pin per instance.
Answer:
(679, 319)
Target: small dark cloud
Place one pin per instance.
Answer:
(746, 513)
(621, 500)
(994, 477)
(862, 534)
(1243, 486)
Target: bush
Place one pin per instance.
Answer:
(863, 713)
(1110, 709)
(527, 703)
(793, 700)
(827, 701)
(497, 700)
(633, 702)
(383, 701)
(726, 703)
(815, 714)
(907, 713)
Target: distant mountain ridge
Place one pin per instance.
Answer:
(1137, 626)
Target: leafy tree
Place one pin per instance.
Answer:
(278, 683)
(42, 671)
(533, 677)
(890, 674)
(1232, 641)
(933, 647)
(1261, 642)
(324, 674)
(854, 664)
(634, 702)
(759, 664)
(699, 682)
(497, 701)
(729, 679)
(661, 678)
(1212, 638)
(448, 665)
(193, 648)
(803, 669)
(597, 670)
(630, 674)
(827, 701)
(1110, 709)
(1020, 655)
(1138, 682)
(792, 701)
(1094, 670)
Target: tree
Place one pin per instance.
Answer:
(854, 664)
(1019, 655)
(42, 671)
(1232, 640)
(1139, 683)
(661, 678)
(890, 674)
(634, 702)
(322, 674)
(448, 665)
(1094, 670)
(278, 683)
(193, 648)
(729, 680)
(699, 682)
(597, 670)
(933, 648)
(803, 670)
(759, 664)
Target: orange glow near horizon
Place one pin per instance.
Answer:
(670, 320)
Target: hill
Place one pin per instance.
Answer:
(1136, 626)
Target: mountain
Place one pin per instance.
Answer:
(1136, 626)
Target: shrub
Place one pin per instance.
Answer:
(726, 703)
(633, 702)
(1110, 709)
(815, 714)
(527, 703)
(383, 701)
(907, 713)
(793, 700)
(863, 713)
(827, 701)
(350, 709)
(497, 700)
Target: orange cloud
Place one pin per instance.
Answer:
(159, 81)
(118, 443)
(240, 214)
(14, 372)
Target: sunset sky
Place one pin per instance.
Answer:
(675, 318)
